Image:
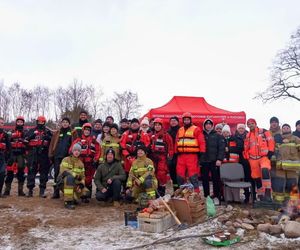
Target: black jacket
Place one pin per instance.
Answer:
(215, 147)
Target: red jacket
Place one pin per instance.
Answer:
(161, 142)
(129, 142)
(90, 148)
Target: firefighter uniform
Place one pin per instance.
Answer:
(38, 140)
(113, 142)
(161, 149)
(17, 161)
(72, 177)
(287, 167)
(259, 146)
(129, 142)
(5, 150)
(190, 143)
(142, 178)
(90, 154)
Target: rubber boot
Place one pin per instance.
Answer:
(1, 184)
(2, 176)
(89, 195)
(20, 189)
(247, 195)
(267, 196)
(7, 190)
(69, 205)
(55, 193)
(30, 193)
(42, 193)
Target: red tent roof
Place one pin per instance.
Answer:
(199, 108)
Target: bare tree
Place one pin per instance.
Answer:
(41, 100)
(15, 96)
(26, 104)
(285, 73)
(4, 102)
(95, 100)
(125, 104)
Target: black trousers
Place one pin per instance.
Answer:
(57, 162)
(20, 160)
(172, 169)
(113, 191)
(2, 171)
(210, 167)
(38, 163)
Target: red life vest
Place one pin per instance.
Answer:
(38, 139)
(88, 148)
(17, 140)
(159, 143)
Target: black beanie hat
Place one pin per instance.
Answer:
(114, 125)
(110, 150)
(66, 119)
(135, 120)
(142, 147)
(124, 120)
(297, 123)
(284, 125)
(274, 119)
(175, 118)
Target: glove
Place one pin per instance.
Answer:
(81, 186)
(270, 153)
(95, 164)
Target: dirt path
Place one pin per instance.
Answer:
(36, 223)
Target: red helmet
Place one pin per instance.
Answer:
(158, 120)
(187, 115)
(87, 125)
(20, 118)
(41, 119)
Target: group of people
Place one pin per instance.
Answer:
(135, 158)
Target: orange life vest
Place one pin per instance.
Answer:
(187, 143)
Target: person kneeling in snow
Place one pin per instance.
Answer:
(141, 177)
(71, 178)
(108, 178)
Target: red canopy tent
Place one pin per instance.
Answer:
(199, 109)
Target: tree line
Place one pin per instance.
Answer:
(67, 101)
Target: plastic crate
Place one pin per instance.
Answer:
(155, 225)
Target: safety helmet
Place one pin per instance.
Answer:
(87, 125)
(20, 118)
(187, 115)
(41, 119)
(158, 120)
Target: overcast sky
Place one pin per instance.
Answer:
(221, 50)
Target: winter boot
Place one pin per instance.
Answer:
(267, 197)
(69, 205)
(42, 193)
(2, 176)
(30, 193)
(7, 190)
(89, 195)
(55, 193)
(20, 189)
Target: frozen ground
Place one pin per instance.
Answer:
(35, 223)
